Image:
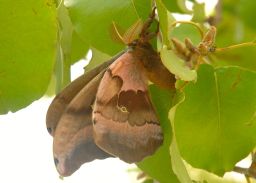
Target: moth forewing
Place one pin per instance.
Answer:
(73, 142)
(125, 122)
(60, 102)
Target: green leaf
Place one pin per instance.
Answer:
(183, 7)
(72, 47)
(27, 51)
(143, 8)
(163, 21)
(63, 60)
(246, 9)
(59, 69)
(97, 58)
(148, 181)
(65, 32)
(199, 12)
(176, 65)
(159, 166)
(177, 6)
(186, 31)
(241, 9)
(79, 48)
(233, 31)
(93, 20)
(203, 176)
(172, 6)
(215, 125)
(177, 161)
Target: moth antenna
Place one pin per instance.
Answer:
(133, 32)
(116, 34)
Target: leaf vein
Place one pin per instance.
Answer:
(252, 119)
(218, 138)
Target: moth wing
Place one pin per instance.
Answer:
(61, 101)
(125, 122)
(73, 142)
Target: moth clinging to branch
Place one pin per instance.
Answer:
(112, 114)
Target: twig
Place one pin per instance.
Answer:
(244, 171)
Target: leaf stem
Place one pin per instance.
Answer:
(236, 46)
(241, 170)
(244, 171)
(191, 23)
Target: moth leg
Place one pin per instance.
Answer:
(153, 34)
(147, 24)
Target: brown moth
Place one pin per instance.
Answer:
(124, 120)
(125, 123)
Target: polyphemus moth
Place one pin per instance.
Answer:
(109, 113)
(124, 120)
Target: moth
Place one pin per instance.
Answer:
(125, 123)
(108, 111)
